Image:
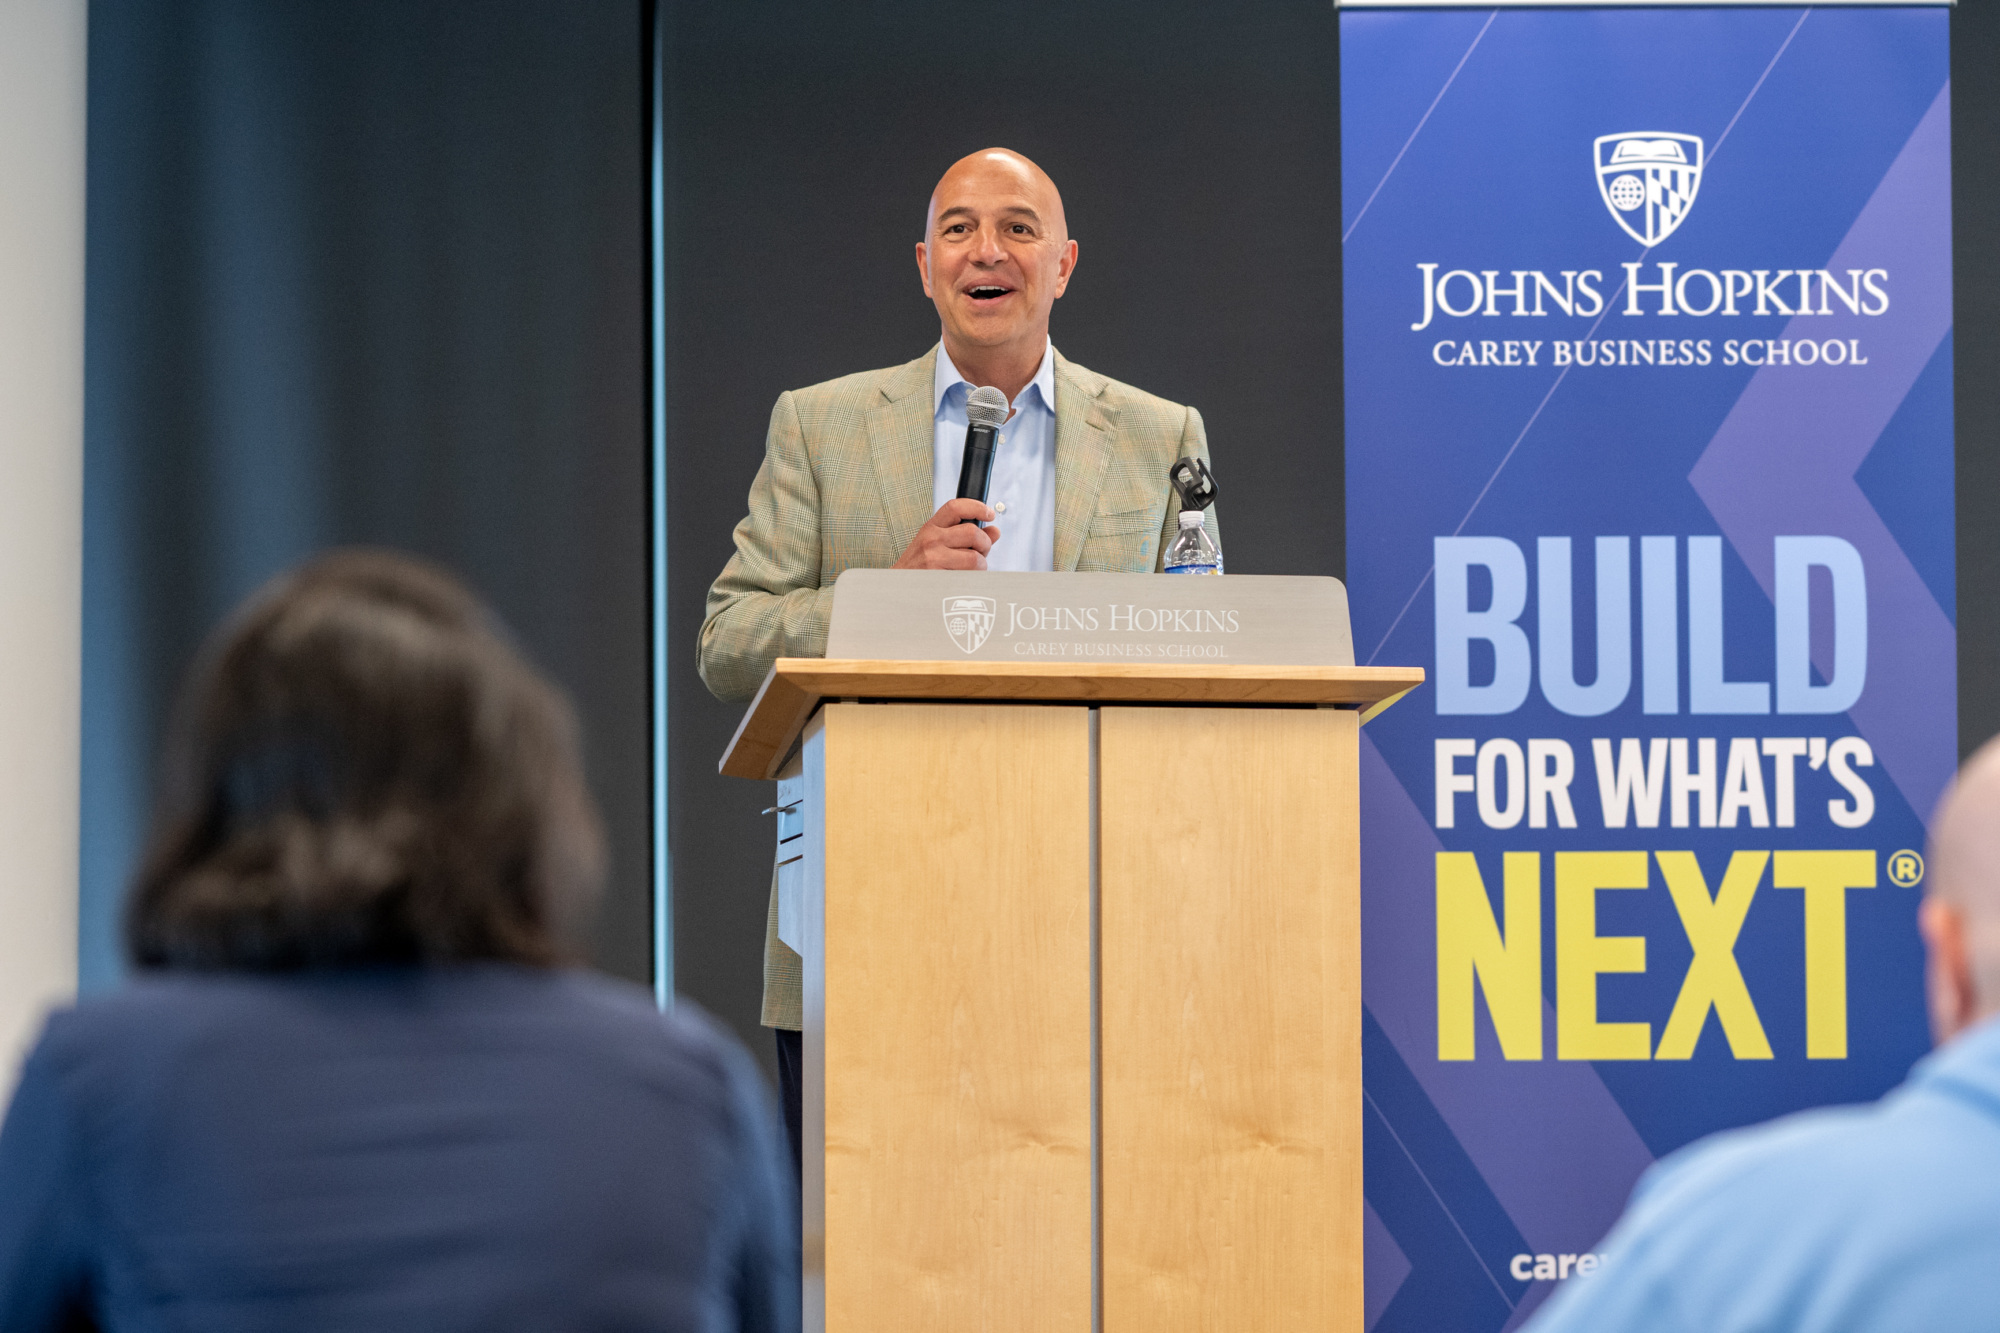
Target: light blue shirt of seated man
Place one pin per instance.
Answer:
(1022, 490)
(1866, 1219)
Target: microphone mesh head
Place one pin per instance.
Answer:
(986, 406)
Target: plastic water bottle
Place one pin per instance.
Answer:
(1193, 551)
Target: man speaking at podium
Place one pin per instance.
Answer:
(853, 466)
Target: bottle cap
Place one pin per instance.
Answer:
(1190, 518)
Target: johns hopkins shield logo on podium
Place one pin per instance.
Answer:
(1648, 181)
(969, 620)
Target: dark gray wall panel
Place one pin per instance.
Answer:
(365, 272)
(1975, 216)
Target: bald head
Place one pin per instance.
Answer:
(1000, 170)
(1961, 913)
(1964, 865)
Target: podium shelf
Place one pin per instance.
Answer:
(796, 686)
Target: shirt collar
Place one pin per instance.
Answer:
(945, 378)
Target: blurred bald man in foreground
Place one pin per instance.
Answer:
(861, 472)
(1883, 1217)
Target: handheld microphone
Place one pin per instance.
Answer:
(985, 413)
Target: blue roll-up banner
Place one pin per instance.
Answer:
(1649, 463)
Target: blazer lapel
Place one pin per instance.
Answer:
(901, 443)
(1083, 450)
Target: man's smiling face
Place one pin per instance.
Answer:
(996, 253)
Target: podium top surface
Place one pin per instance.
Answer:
(796, 686)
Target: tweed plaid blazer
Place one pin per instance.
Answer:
(845, 484)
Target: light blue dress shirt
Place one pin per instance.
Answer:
(1023, 484)
(1869, 1219)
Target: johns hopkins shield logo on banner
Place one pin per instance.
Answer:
(1648, 181)
(969, 620)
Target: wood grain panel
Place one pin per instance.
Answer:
(796, 686)
(953, 1017)
(1231, 1001)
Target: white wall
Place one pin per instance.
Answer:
(41, 506)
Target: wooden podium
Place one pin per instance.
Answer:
(1082, 990)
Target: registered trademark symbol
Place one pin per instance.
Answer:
(1906, 868)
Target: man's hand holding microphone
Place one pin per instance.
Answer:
(961, 532)
(952, 538)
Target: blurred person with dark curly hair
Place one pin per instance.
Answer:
(357, 1081)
